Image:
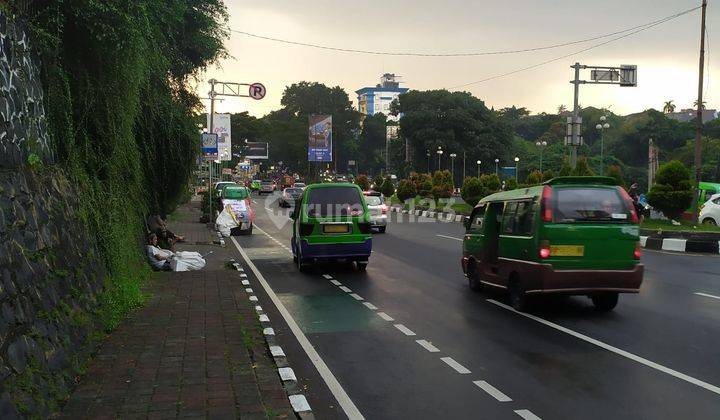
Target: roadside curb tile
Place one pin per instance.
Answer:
(680, 245)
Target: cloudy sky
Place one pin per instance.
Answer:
(666, 55)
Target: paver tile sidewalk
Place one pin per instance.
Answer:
(195, 349)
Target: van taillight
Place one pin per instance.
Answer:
(306, 229)
(638, 251)
(630, 204)
(544, 249)
(546, 205)
(383, 209)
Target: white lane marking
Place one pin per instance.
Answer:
(428, 346)
(330, 380)
(527, 415)
(405, 330)
(620, 352)
(268, 235)
(370, 306)
(455, 365)
(706, 295)
(356, 296)
(336, 283)
(299, 403)
(385, 316)
(327, 276)
(287, 374)
(494, 392)
(450, 237)
(345, 289)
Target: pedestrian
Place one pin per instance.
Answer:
(158, 225)
(635, 196)
(159, 259)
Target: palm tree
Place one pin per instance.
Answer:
(562, 109)
(695, 104)
(669, 107)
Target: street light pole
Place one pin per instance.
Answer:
(478, 168)
(517, 165)
(541, 145)
(602, 127)
(427, 152)
(452, 167)
(439, 153)
(496, 166)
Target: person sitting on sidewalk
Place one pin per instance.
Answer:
(158, 226)
(159, 258)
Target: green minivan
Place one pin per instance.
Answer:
(331, 222)
(571, 235)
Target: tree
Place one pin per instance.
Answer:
(566, 169)
(669, 107)
(442, 185)
(511, 184)
(534, 178)
(548, 175)
(388, 189)
(615, 172)
(673, 191)
(363, 182)
(702, 106)
(491, 184)
(472, 190)
(406, 190)
(377, 183)
(582, 168)
(561, 109)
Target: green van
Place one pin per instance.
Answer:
(331, 222)
(571, 235)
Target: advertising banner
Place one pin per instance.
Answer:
(320, 138)
(209, 146)
(256, 150)
(221, 127)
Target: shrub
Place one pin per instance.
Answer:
(548, 175)
(388, 189)
(363, 182)
(422, 183)
(472, 191)
(535, 178)
(672, 192)
(511, 184)
(442, 184)
(582, 168)
(377, 183)
(566, 169)
(490, 183)
(615, 172)
(406, 190)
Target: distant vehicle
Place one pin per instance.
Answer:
(255, 185)
(289, 196)
(710, 211)
(218, 188)
(572, 235)
(707, 190)
(266, 187)
(299, 185)
(378, 210)
(237, 198)
(331, 223)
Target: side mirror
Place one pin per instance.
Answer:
(466, 222)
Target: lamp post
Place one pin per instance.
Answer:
(427, 153)
(517, 164)
(439, 153)
(541, 145)
(452, 167)
(602, 126)
(478, 167)
(496, 166)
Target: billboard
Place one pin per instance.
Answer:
(256, 150)
(209, 146)
(221, 127)
(320, 138)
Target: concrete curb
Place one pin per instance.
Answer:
(649, 242)
(293, 390)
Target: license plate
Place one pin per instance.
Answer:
(567, 250)
(336, 228)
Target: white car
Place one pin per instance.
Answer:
(378, 210)
(710, 211)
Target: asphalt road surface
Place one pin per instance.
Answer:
(408, 339)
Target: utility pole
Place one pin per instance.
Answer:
(576, 114)
(210, 130)
(698, 121)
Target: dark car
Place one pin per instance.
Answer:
(289, 196)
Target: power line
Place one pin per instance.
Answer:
(468, 54)
(642, 28)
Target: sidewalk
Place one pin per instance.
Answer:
(195, 350)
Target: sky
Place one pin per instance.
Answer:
(666, 55)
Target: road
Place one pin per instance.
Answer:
(408, 339)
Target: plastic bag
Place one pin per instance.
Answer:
(225, 222)
(187, 261)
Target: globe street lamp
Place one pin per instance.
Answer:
(439, 153)
(496, 166)
(452, 167)
(427, 152)
(541, 145)
(478, 164)
(602, 126)
(517, 175)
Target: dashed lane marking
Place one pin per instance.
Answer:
(385, 316)
(327, 276)
(687, 378)
(405, 330)
(370, 306)
(428, 346)
(494, 392)
(356, 296)
(706, 295)
(336, 283)
(527, 415)
(345, 289)
(449, 237)
(455, 365)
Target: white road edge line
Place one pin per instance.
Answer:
(405, 330)
(449, 237)
(494, 392)
(337, 390)
(455, 365)
(706, 295)
(428, 346)
(527, 414)
(620, 352)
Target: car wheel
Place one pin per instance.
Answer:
(473, 277)
(518, 297)
(362, 266)
(382, 229)
(709, 221)
(605, 301)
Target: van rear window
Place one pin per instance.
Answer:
(334, 201)
(589, 204)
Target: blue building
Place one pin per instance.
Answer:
(373, 100)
